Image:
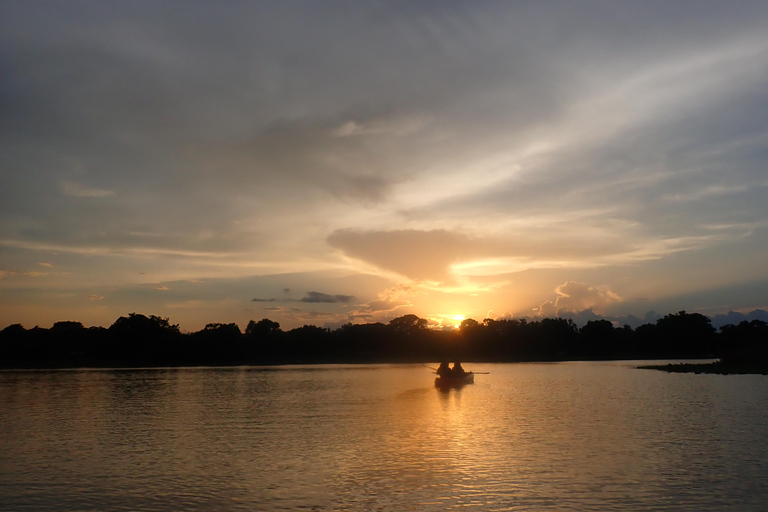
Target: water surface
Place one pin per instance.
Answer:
(569, 436)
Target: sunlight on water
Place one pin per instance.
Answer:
(572, 436)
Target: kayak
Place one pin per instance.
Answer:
(453, 382)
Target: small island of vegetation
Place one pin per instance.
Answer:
(719, 367)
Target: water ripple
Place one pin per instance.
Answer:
(580, 436)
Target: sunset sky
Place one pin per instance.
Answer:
(331, 162)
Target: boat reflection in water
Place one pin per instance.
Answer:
(448, 382)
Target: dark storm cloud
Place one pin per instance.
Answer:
(312, 297)
(325, 298)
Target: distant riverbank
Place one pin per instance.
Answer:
(151, 341)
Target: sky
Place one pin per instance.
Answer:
(343, 161)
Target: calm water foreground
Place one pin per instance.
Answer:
(569, 436)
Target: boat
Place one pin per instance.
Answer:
(455, 381)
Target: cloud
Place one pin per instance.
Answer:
(311, 297)
(223, 304)
(484, 142)
(161, 288)
(389, 300)
(581, 318)
(403, 126)
(325, 298)
(736, 317)
(298, 317)
(577, 297)
(361, 318)
(74, 189)
(43, 264)
(95, 297)
(384, 305)
(188, 304)
(301, 157)
(34, 274)
(443, 256)
(121, 248)
(418, 255)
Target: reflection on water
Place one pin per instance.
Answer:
(572, 436)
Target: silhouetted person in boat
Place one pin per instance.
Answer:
(443, 370)
(457, 370)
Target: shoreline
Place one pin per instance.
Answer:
(717, 368)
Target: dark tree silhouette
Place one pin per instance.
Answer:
(557, 338)
(686, 334)
(408, 324)
(363, 342)
(139, 339)
(308, 344)
(216, 343)
(599, 340)
(744, 344)
(263, 327)
(151, 340)
(137, 324)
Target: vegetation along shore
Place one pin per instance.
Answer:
(139, 340)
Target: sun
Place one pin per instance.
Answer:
(446, 321)
(456, 319)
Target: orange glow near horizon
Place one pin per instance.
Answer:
(446, 321)
(457, 319)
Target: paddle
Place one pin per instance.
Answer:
(433, 369)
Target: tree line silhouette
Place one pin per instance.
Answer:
(139, 340)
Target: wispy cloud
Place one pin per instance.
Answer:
(77, 190)
(102, 250)
(697, 194)
(418, 255)
(33, 273)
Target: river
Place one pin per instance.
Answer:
(567, 436)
